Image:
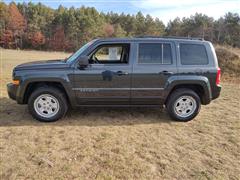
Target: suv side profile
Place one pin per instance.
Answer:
(180, 73)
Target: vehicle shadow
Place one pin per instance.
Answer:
(12, 114)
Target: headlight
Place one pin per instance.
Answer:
(13, 74)
(15, 81)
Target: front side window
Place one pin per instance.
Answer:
(110, 54)
(155, 53)
(193, 54)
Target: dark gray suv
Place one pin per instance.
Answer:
(179, 73)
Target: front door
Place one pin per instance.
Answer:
(106, 80)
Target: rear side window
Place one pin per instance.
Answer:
(155, 53)
(193, 54)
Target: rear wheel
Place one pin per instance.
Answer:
(183, 105)
(47, 104)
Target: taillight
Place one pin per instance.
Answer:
(218, 76)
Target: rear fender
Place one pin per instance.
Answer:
(189, 80)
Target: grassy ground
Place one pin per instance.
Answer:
(229, 61)
(107, 143)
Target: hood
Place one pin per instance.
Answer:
(47, 64)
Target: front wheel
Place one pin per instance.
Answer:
(183, 105)
(47, 104)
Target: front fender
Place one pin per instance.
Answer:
(63, 79)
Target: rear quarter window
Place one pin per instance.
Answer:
(193, 54)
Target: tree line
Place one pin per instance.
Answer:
(36, 26)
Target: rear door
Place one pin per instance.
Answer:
(155, 62)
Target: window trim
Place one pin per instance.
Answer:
(162, 43)
(193, 64)
(112, 44)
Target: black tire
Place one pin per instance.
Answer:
(55, 92)
(175, 96)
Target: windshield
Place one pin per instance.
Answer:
(78, 52)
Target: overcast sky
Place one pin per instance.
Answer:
(163, 9)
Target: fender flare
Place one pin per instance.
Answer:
(174, 81)
(63, 80)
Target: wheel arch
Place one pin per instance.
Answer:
(31, 86)
(198, 84)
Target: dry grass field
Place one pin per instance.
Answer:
(106, 143)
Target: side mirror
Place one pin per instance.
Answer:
(83, 62)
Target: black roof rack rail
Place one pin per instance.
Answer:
(172, 37)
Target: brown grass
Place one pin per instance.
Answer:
(229, 61)
(107, 143)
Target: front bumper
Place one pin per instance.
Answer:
(12, 90)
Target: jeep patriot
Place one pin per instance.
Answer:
(180, 74)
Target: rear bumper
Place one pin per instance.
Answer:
(216, 92)
(12, 91)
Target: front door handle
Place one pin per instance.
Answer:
(120, 73)
(166, 72)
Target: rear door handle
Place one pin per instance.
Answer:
(166, 72)
(121, 73)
